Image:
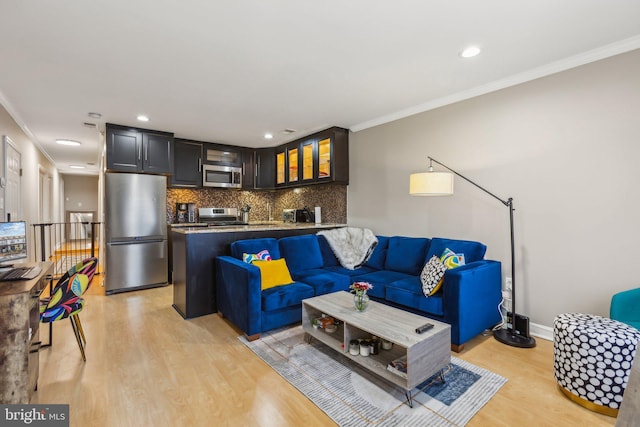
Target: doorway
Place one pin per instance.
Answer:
(12, 187)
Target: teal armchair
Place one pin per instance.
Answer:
(625, 307)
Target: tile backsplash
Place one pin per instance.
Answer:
(332, 199)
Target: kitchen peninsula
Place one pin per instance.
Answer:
(195, 249)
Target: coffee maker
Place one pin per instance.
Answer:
(185, 212)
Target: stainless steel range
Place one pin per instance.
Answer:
(219, 216)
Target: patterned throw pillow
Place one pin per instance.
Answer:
(432, 276)
(262, 256)
(451, 259)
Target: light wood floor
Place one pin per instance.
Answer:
(146, 366)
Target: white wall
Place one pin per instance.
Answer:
(566, 147)
(32, 162)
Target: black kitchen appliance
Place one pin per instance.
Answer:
(185, 212)
(298, 215)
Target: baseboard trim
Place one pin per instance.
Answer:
(541, 331)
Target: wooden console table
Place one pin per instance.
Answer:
(19, 335)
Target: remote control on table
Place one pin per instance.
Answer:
(423, 328)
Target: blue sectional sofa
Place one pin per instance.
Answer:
(468, 299)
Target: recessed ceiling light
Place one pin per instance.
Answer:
(67, 142)
(76, 167)
(470, 52)
(268, 136)
(95, 115)
(143, 118)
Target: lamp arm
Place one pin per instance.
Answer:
(509, 204)
(504, 202)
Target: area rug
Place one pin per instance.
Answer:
(354, 397)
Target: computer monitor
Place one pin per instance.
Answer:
(13, 242)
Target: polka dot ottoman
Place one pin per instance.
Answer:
(592, 359)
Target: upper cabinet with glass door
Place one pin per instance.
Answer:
(288, 164)
(321, 157)
(330, 156)
(325, 159)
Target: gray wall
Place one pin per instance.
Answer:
(81, 193)
(565, 147)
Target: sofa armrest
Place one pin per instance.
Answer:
(471, 295)
(238, 293)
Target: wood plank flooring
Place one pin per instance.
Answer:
(146, 366)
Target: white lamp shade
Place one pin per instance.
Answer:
(431, 184)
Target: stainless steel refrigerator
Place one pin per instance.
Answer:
(135, 231)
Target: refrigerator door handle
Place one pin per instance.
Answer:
(134, 242)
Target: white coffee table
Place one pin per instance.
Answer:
(427, 354)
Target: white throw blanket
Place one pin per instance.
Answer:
(352, 246)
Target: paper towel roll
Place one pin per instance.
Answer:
(318, 215)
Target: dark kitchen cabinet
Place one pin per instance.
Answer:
(288, 164)
(248, 170)
(321, 157)
(331, 158)
(264, 165)
(222, 155)
(308, 161)
(187, 164)
(139, 150)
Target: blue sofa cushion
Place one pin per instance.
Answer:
(253, 246)
(379, 255)
(301, 252)
(347, 272)
(379, 280)
(285, 296)
(328, 257)
(408, 292)
(473, 251)
(327, 282)
(407, 254)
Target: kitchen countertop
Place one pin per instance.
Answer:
(253, 226)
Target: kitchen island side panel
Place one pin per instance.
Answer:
(194, 275)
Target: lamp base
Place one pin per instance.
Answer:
(508, 337)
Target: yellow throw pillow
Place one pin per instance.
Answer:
(273, 273)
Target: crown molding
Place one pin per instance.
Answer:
(594, 55)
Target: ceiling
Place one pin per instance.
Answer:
(230, 71)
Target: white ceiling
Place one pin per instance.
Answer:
(230, 71)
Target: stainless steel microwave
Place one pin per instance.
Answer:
(221, 176)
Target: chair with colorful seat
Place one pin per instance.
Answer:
(625, 307)
(65, 300)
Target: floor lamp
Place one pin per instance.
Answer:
(441, 184)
